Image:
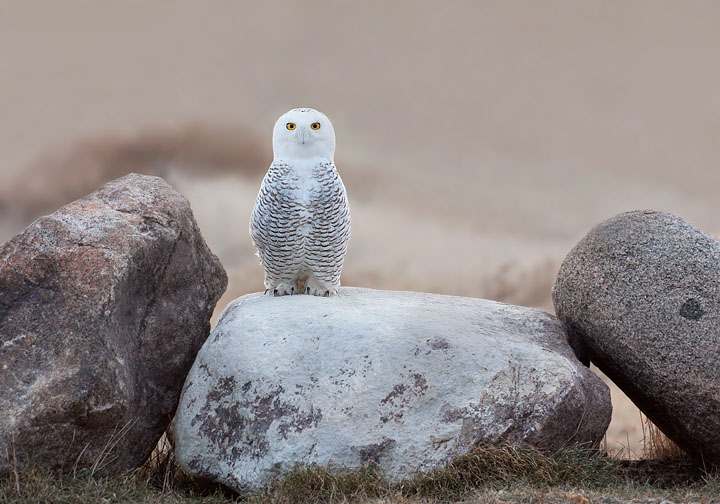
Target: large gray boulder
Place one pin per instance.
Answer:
(405, 380)
(641, 294)
(103, 307)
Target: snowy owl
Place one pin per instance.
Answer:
(301, 221)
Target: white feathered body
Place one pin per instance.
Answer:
(301, 226)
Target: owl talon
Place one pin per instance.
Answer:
(283, 288)
(327, 293)
(307, 290)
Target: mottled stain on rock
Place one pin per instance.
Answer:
(224, 388)
(454, 415)
(438, 343)
(296, 421)
(394, 416)
(402, 394)
(243, 424)
(420, 383)
(397, 391)
(223, 425)
(372, 453)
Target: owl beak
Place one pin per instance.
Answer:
(303, 137)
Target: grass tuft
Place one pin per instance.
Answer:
(322, 485)
(503, 466)
(656, 445)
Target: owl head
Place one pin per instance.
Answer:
(303, 133)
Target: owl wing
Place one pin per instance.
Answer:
(331, 226)
(274, 221)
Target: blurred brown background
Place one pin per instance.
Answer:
(478, 140)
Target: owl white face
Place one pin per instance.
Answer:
(303, 133)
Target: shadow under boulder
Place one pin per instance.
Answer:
(407, 381)
(103, 307)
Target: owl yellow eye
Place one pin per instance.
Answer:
(290, 126)
(315, 126)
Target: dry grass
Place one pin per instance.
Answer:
(487, 467)
(487, 474)
(35, 484)
(505, 465)
(656, 445)
(319, 485)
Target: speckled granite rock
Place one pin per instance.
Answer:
(642, 293)
(103, 307)
(406, 380)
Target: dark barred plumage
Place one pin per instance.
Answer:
(301, 226)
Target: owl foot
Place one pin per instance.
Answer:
(315, 288)
(283, 289)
